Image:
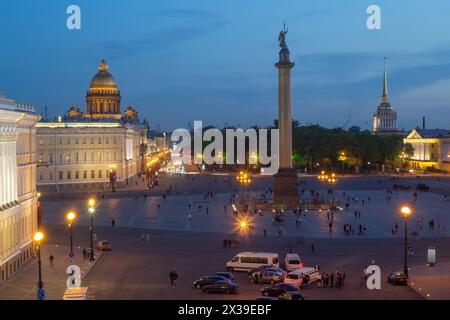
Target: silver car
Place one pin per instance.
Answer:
(266, 276)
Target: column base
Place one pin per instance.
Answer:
(285, 192)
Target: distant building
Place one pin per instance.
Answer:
(431, 148)
(385, 118)
(92, 151)
(18, 197)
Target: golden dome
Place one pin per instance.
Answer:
(103, 79)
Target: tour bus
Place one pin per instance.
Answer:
(251, 260)
(292, 261)
(297, 276)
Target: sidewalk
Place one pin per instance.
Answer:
(23, 286)
(433, 283)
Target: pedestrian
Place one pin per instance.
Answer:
(173, 278)
(279, 232)
(331, 226)
(113, 223)
(265, 233)
(343, 279)
(51, 258)
(84, 253)
(312, 248)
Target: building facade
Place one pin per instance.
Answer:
(385, 118)
(97, 150)
(18, 196)
(431, 149)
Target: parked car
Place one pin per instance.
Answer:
(227, 275)
(267, 267)
(204, 281)
(291, 295)
(302, 277)
(292, 261)
(226, 287)
(103, 245)
(397, 278)
(422, 187)
(266, 276)
(265, 298)
(260, 268)
(278, 289)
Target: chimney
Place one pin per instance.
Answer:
(423, 122)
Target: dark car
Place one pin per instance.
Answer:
(278, 289)
(226, 287)
(227, 275)
(422, 187)
(204, 281)
(397, 278)
(291, 295)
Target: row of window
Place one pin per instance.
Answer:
(77, 175)
(75, 157)
(68, 140)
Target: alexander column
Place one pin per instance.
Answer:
(285, 181)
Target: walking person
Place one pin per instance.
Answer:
(51, 259)
(113, 223)
(84, 253)
(173, 278)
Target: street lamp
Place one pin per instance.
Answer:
(332, 181)
(38, 236)
(91, 204)
(244, 180)
(39, 210)
(342, 157)
(113, 176)
(322, 177)
(70, 218)
(406, 212)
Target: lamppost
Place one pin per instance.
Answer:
(322, 177)
(38, 236)
(70, 218)
(39, 210)
(332, 180)
(406, 212)
(244, 180)
(113, 176)
(342, 157)
(91, 204)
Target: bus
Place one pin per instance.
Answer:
(251, 260)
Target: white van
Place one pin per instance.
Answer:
(292, 261)
(251, 260)
(297, 276)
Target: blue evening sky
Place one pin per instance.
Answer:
(213, 60)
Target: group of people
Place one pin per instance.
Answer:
(336, 279)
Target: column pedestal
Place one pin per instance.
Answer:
(285, 192)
